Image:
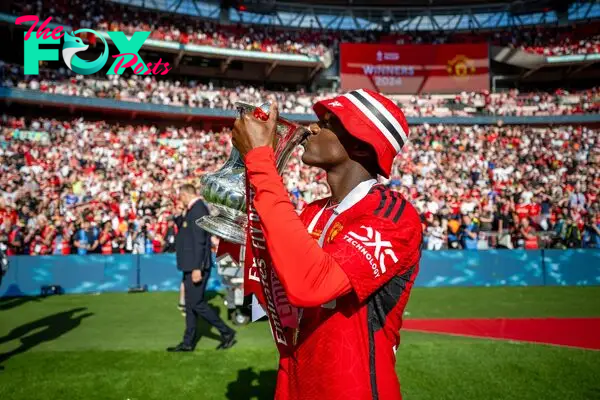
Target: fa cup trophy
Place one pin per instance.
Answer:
(226, 188)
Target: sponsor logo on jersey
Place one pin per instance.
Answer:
(373, 248)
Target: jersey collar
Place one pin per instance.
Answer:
(357, 194)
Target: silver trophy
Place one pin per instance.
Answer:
(226, 188)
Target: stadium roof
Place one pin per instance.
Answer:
(408, 15)
(396, 3)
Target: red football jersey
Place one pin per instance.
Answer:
(346, 349)
(534, 210)
(522, 210)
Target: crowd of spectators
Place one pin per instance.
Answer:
(503, 186)
(543, 40)
(83, 186)
(580, 40)
(110, 16)
(63, 183)
(149, 89)
(508, 103)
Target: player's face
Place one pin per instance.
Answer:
(324, 147)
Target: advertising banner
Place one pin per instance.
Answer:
(415, 68)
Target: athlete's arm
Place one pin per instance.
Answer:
(310, 276)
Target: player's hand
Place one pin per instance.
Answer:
(250, 132)
(196, 276)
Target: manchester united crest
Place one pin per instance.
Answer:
(334, 231)
(461, 66)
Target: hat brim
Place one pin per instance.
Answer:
(356, 126)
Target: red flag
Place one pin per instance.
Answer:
(251, 279)
(232, 249)
(259, 273)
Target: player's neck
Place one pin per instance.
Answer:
(345, 177)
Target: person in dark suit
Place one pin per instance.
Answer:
(193, 248)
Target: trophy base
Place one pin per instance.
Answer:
(223, 227)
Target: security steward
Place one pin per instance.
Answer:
(193, 247)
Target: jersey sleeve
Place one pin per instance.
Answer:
(310, 276)
(372, 250)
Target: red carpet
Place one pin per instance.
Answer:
(572, 332)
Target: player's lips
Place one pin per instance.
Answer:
(305, 138)
(309, 135)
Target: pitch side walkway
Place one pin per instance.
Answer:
(571, 332)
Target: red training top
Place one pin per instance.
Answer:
(353, 290)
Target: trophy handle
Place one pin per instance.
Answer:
(290, 134)
(293, 136)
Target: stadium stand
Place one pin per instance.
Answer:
(110, 16)
(57, 174)
(477, 186)
(148, 89)
(548, 41)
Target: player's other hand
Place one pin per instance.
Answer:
(196, 276)
(250, 132)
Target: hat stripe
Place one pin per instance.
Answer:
(376, 121)
(362, 108)
(386, 114)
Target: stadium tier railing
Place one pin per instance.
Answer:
(157, 272)
(77, 102)
(524, 59)
(575, 58)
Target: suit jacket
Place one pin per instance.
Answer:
(192, 243)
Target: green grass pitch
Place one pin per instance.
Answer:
(112, 346)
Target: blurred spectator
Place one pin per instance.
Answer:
(591, 233)
(435, 236)
(84, 238)
(571, 234)
(469, 233)
(169, 238)
(528, 238)
(105, 240)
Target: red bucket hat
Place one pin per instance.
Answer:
(372, 118)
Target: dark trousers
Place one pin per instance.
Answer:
(196, 305)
